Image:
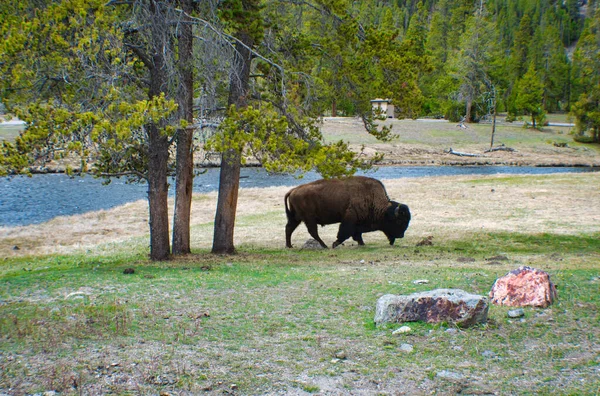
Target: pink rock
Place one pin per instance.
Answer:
(522, 287)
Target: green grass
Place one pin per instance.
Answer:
(274, 320)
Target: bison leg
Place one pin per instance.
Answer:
(312, 230)
(346, 231)
(390, 238)
(358, 238)
(290, 227)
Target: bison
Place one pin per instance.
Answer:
(359, 203)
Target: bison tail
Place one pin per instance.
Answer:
(288, 212)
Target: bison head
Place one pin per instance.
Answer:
(397, 218)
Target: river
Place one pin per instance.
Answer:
(30, 200)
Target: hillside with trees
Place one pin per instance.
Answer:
(494, 52)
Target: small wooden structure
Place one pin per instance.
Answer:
(383, 106)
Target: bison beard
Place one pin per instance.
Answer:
(360, 204)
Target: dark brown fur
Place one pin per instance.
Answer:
(359, 203)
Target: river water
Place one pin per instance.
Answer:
(31, 200)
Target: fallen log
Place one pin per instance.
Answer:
(500, 148)
(461, 154)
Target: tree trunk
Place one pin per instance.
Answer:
(468, 110)
(158, 192)
(185, 151)
(229, 181)
(229, 184)
(158, 158)
(494, 120)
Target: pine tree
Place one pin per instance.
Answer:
(586, 64)
(529, 96)
(471, 64)
(520, 48)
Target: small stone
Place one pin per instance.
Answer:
(449, 375)
(233, 387)
(406, 348)
(488, 354)
(451, 331)
(421, 281)
(362, 261)
(427, 241)
(340, 355)
(516, 313)
(497, 258)
(402, 330)
(311, 244)
(16, 247)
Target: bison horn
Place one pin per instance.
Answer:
(397, 211)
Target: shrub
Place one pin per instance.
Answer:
(454, 111)
(584, 139)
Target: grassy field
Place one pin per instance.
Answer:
(275, 321)
(427, 142)
(441, 132)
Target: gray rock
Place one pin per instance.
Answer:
(449, 375)
(402, 330)
(406, 348)
(440, 305)
(488, 354)
(312, 244)
(516, 313)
